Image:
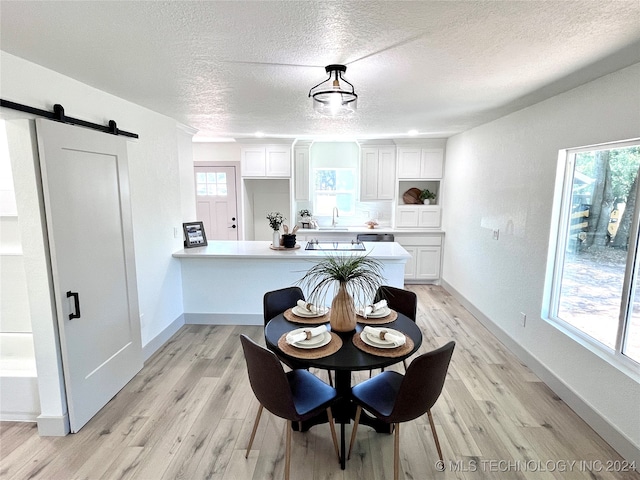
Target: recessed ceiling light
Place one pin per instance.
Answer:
(412, 133)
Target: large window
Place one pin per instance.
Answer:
(594, 287)
(334, 187)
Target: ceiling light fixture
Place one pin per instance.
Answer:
(334, 97)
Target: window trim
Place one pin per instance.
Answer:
(558, 235)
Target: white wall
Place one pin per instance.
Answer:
(501, 175)
(156, 161)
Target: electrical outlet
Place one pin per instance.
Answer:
(496, 234)
(523, 319)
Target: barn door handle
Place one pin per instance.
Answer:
(76, 303)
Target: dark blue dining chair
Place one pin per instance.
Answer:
(402, 301)
(395, 398)
(277, 302)
(295, 396)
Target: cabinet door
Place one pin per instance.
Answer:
(409, 163)
(253, 162)
(407, 217)
(386, 173)
(429, 216)
(428, 263)
(431, 163)
(369, 174)
(301, 173)
(278, 161)
(410, 266)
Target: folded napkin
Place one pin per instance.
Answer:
(382, 333)
(373, 308)
(308, 307)
(307, 334)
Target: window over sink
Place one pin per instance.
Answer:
(334, 187)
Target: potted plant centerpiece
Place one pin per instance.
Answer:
(426, 196)
(275, 220)
(356, 276)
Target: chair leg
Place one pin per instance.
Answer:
(253, 432)
(287, 461)
(330, 377)
(435, 435)
(355, 429)
(396, 452)
(334, 437)
(404, 362)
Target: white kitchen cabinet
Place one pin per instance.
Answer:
(266, 161)
(426, 216)
(378, 171)
(426, 257)
(420, 163)
(301, 173)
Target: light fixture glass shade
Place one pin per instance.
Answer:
(335, 97)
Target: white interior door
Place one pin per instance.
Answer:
(216, 204)
(86, 195)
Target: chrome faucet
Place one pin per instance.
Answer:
(334, 214)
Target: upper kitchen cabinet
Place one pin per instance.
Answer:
(420, 163)
(301, 173)
(266, 161)
(378, 173)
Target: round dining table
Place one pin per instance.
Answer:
(347, 359)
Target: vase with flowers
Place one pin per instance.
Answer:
(275, 221)
(354, 276)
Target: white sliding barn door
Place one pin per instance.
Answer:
(87, 206)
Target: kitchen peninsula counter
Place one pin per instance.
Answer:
(224, 282)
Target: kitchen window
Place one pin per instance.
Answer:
(334, 187)
(592, 290)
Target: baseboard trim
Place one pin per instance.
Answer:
(159, 340)
(223, 319)
(618, 440)
(57, 426)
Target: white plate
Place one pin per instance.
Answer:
(383, 312)
(314, 342)
(377, 342)
(303, 312)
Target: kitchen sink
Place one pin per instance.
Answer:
(335, 229)
(350, 246)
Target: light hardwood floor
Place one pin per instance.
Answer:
(188, 415)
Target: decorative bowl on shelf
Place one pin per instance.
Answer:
(412, 196)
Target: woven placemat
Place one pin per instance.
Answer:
(383, 352)
(329, 349)
(289, 315)
(378, 321)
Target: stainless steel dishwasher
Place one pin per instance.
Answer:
(375, 237)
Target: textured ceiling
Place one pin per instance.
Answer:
(230, 69)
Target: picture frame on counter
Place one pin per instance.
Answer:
(194, 235)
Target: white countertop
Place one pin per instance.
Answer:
(356, 230)
(260, 249)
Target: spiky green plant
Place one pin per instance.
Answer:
(361, 275)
